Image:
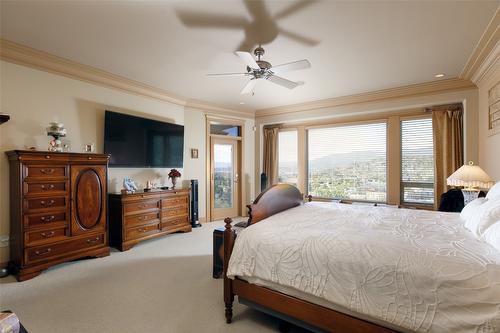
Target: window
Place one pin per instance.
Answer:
(227, 130)
(417, 162)
(287, 157)
(348, 162)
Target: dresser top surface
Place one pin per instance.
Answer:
(152, 192)
(44, 152)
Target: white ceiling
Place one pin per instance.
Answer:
(353, 46)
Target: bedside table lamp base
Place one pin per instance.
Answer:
(470, 195)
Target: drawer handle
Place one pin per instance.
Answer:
(142, 230)
(93, 240)
(48, 187)
(89, 157)
(47, 218)
(41, 253)
(47, 171)
(47, 234)
(47, 156)
(48, 203)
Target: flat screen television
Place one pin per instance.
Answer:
(137, 142)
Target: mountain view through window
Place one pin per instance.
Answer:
(417, 161)
(287, 157)
(348, 162)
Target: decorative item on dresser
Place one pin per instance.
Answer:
(174, 174)
(143, 215)
(57, 131)
(58, 209)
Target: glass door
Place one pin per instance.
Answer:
(224, 178)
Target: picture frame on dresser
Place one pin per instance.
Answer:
(58, 209)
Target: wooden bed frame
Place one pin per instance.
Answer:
(272, 201)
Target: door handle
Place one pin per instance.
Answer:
(236, 178)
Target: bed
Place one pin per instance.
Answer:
(349, 268)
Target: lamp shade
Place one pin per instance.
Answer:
(470, 176)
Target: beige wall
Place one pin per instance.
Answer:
(33, 98)
(468, 97)
(489, 145)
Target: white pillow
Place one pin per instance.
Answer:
(471, 208)
(492, 235)
(494, 192)
(484, 216)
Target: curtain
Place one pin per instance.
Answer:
(270, 163)
(447, 123)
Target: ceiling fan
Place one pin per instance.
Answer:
(260, 69)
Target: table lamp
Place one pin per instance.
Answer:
(472, 178)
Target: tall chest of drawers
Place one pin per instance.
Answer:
(58, 209)
(144, 215)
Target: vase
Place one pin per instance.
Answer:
(174, 181)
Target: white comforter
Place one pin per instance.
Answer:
(417, 270)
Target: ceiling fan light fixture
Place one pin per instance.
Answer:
(258, 69)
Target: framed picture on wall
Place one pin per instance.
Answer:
(494, 110)
(194, 153)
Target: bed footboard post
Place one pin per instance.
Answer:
(228, 283)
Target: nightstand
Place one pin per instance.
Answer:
(218, 246)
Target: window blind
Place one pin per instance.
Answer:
(417, 161)
(287, 157)
(348, 162)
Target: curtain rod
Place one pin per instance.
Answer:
(445, 107)
(273, 126)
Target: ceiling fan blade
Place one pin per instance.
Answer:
(298, 38)
(203, 20)
(248, 59)
(257, 9)
(249, 87)
(291, 66)
(228, 74)
(282, 82)
(293, 8)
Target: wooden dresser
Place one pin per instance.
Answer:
(144, 215)
(57, 208)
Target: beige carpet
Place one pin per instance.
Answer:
(162, 285)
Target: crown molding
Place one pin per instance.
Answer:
(489, 64)
(26, 56)
(427, 88)
(486, 45)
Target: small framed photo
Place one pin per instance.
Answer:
(194, 153)
(89, 148)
